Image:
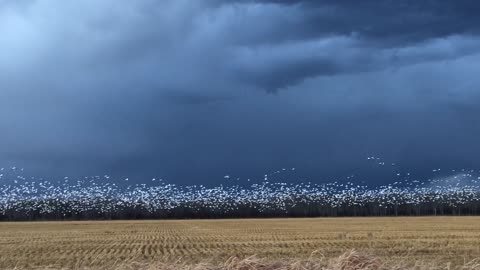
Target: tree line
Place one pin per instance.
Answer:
(57, 210)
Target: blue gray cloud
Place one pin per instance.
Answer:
(195, 89)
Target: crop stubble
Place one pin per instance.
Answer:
(99, 244)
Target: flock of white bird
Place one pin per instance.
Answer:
(100, 193)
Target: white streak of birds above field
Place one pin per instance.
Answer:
(265, 193)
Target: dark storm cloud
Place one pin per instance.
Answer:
(270, 44)
(389, 22)
(354, 36)
(181, 86)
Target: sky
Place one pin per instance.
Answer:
(194, 90)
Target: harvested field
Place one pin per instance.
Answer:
(104, 244)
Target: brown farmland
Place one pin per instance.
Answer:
(104, 244)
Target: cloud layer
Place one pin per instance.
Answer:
(184, 88)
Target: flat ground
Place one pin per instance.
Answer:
(101, 243)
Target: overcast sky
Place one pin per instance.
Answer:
(193, 90)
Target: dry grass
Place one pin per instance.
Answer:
(397, 243)
(350, 260)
